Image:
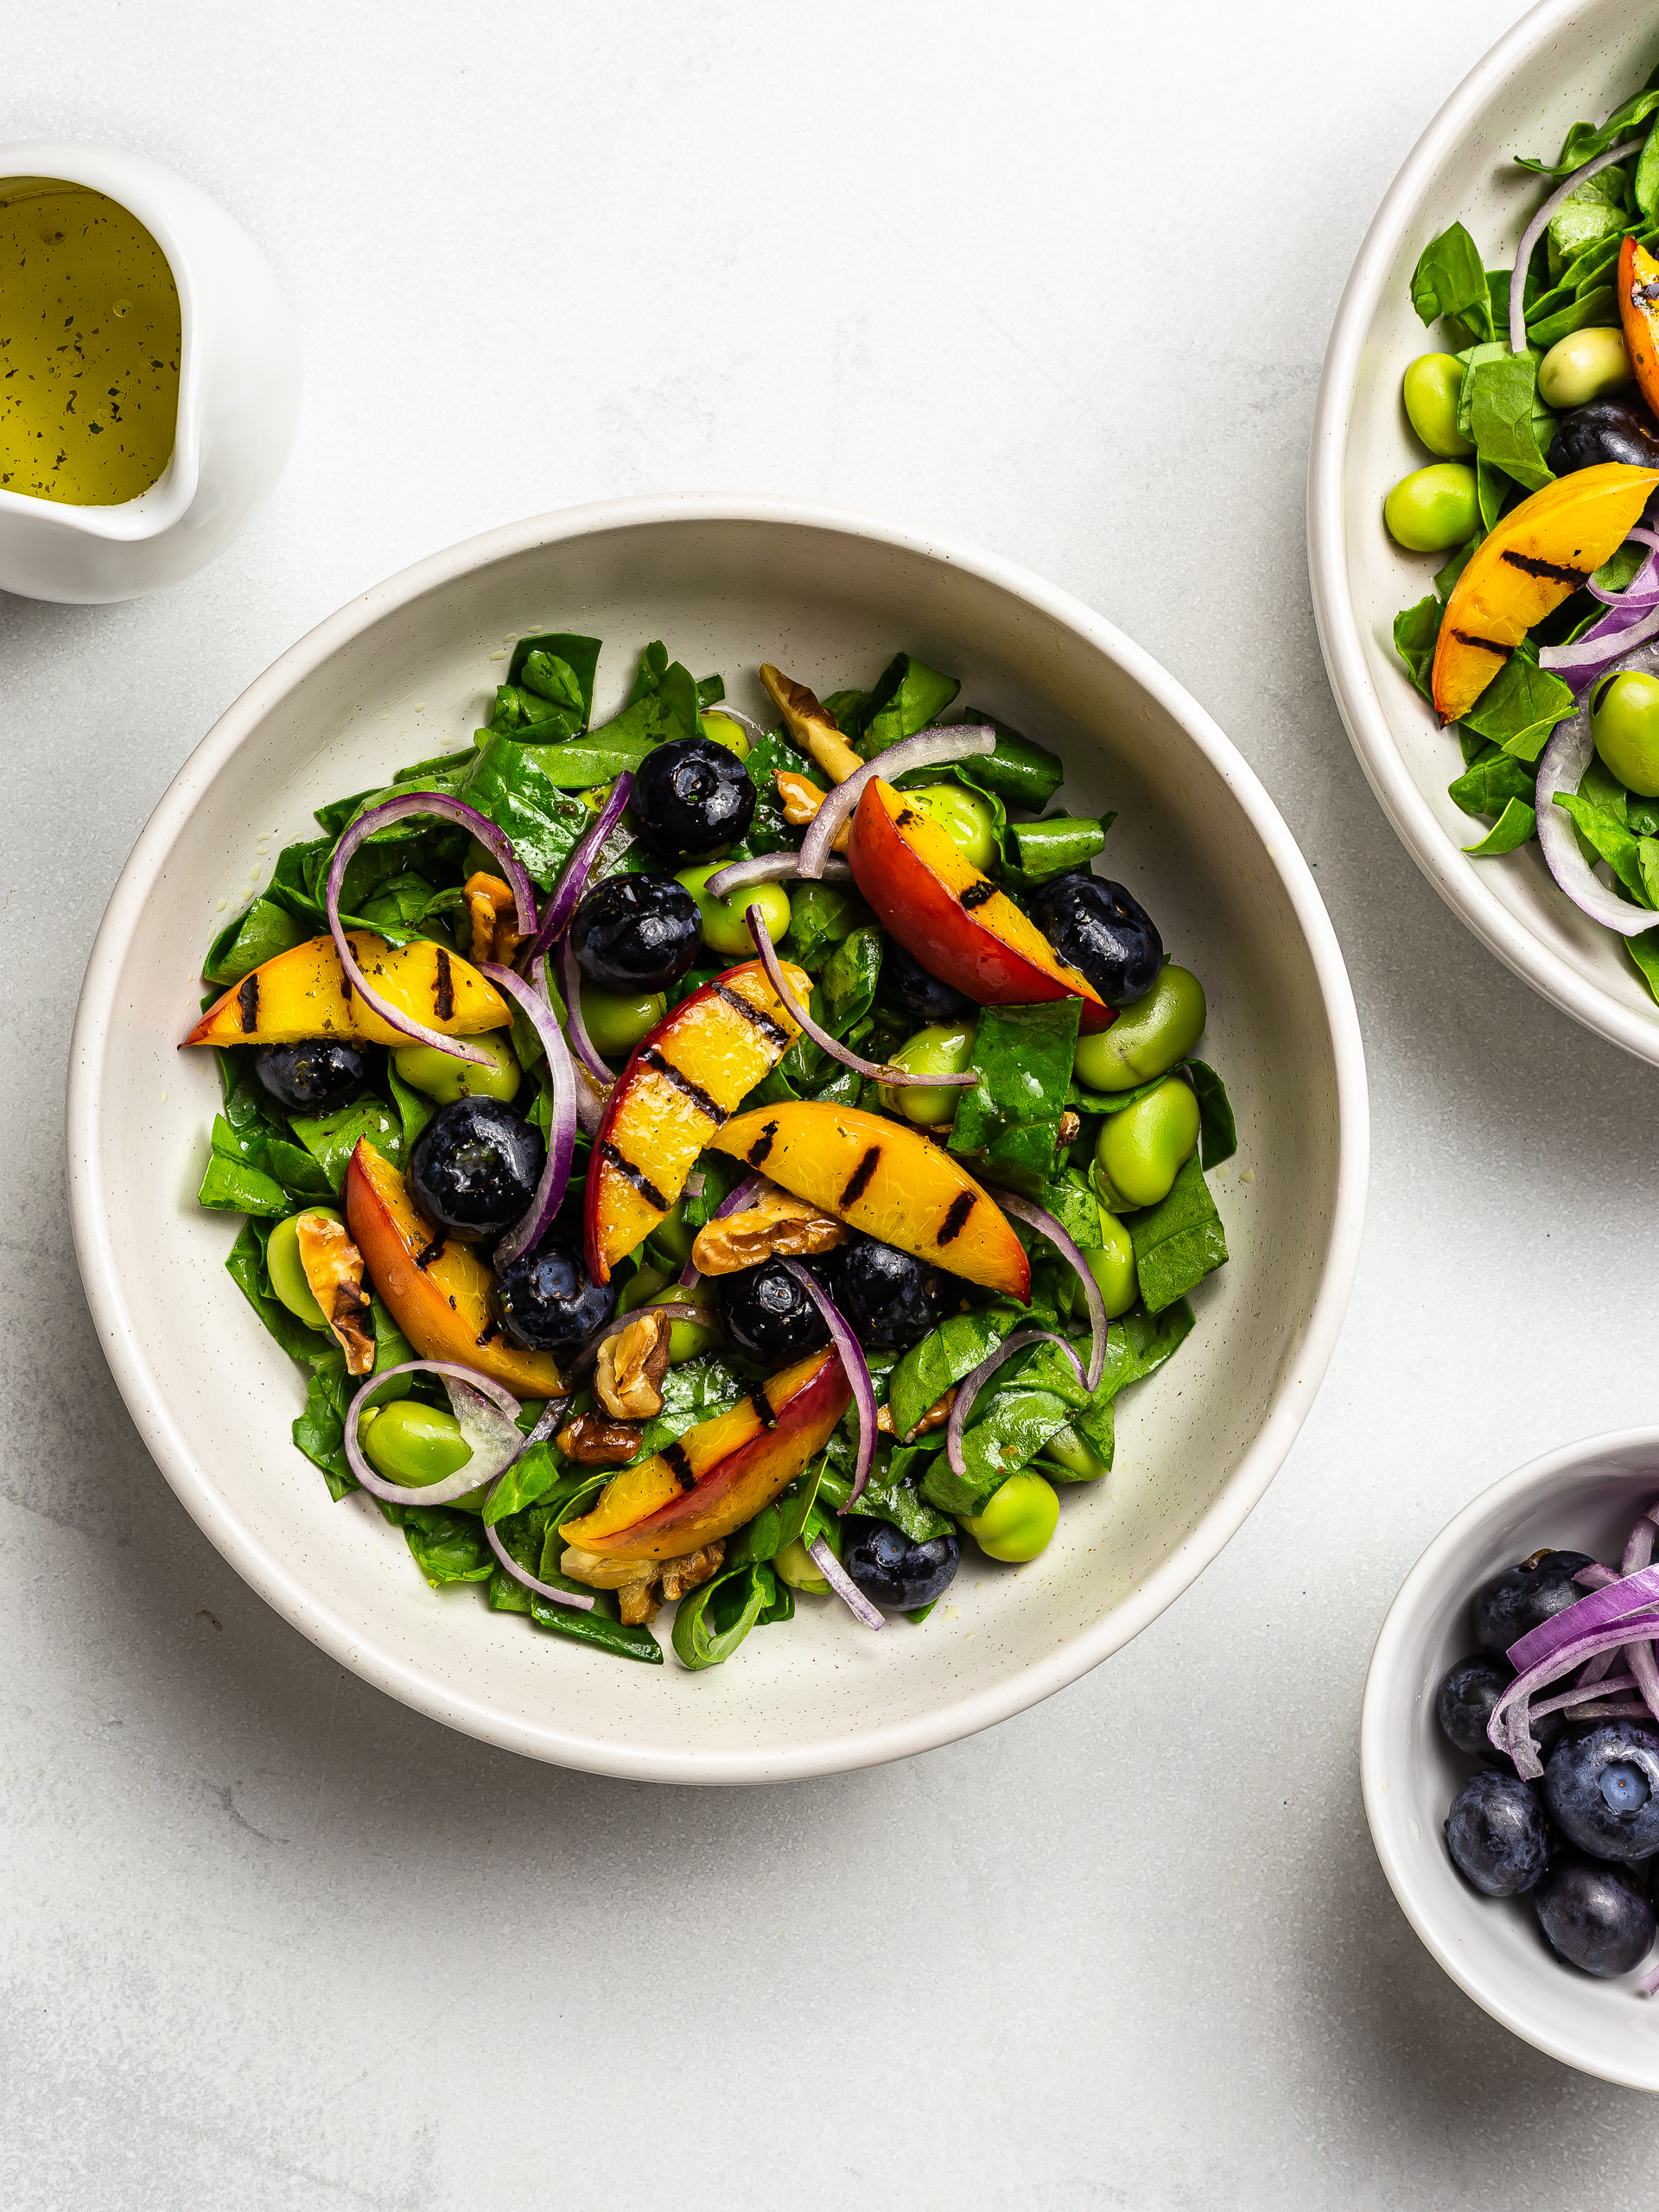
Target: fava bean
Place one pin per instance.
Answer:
(1017, 1520)
(617, 1020)
(674, 1236)
(1626, 724)
(442, 1077)
(720, 729)
(946, 1049)
(1148, 1037)
(414, 1444)
(1431, 390)
(1078, 1462)
(287, 1271)
(1434, 509)
(968, 818)
(796, 1566)
(1143, 1149)
(1111, 1263)
(1584, 365)
(690, 1339)
(724, 929)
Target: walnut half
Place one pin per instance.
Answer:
(333, 1268)
(636, 1580)
(937, 1415)
(810, 724)
(775, 1226)
(596, 1440)
(627, 1381)
(494, 919)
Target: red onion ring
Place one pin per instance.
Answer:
(1599, 650)
(1509, 1728)
(843, 1585)
(928, 748)
(1561, 769)
(1023, 1209)
(562, 1134)
(493, 840)
(772, 867)
(464, 1478)
(733, 1202)
(581, 1604)
(570, 983)
(1582, 1692)
(573, 878)
(747, 723)
(822, 1038)
(970, 1386)
(1623, 1600)
(857, 1372)
(1534, 231)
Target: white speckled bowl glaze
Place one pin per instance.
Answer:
(1583, 1497)
(1565, 59)
(399, 674)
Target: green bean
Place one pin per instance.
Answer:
(1586, 365)
(1111, 1263)
(616, 1021)
(414, 1444)
(968, 818)
(1625, 723)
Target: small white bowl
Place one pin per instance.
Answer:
(1565, 59)
(238, 398)
(400, 674)
(1585, 1497)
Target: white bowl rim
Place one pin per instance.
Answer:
(1387, 1659)
(273, 1578)
(1457, 879)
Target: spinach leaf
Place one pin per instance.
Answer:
(1417, 633)
(1217, 1131)
(1031, 1399)
(1516, 826)
(695, 1391)
(320, 1431)
(1504, 416)
(1595, 308)
(1644, 950)
(1450, 279)
(1491, 781)
(712, 1620)
(1520, 706)
(768, 831)
(892, 1495)
(1608, 840)
(258, 935)
(600, 1628)
(1589, 216)
(1039, 851)
(821, 917)
(848, 981)
(1585, 141)
(440, 769)
(1644, 185)
(1070, 1197)
(246, 1265)
(582, 763)
(299, 1175)
(1019, 771)
(331, 1139)
(507, 783)
(232, 1184)
(414, 1109)
(928, 1370)
(1009, 1122)
(527, 1482)
(908, 696)
(1136, 1346)
(1177, 1243)
(449, 1545)
(578, 655)
(779, 1523)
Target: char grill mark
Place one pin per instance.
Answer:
(641, 1182)
(763, 1406)
(1530, 565)
(443, 987)
(1483, 645)
(247, 1003)
(680, 1466)
(977, 894)
(858, 1182)
(424, 1259)
(769, 1029)
(762, 1145)
(695, 1091)
(955, 1221)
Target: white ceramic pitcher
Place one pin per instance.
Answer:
(239, 397)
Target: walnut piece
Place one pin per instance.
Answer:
(627, 1381)
(1070, 1124)
(801, 800)
(596, 1441)
(937, 1415)
(636, 1581)
(810, 725)
(494, 919)
(333, 1268)
(775, 1226)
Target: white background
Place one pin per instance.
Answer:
(1055, 278)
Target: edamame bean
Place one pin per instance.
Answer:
(690, 1339)
(1431, 390)
(966, 818)
(796, 1567)
(286, 1270)
(1584, 365)
(946, 1049)
(1111, 1263)
(1434, 509)
(1626, 725)
(617, 1020)
(720, 729)
(1078, 1461)
(444, 1077)
(1143, 1149)
(724, 929)
(1017, 1520)
(414, 1444)
(1148, 1037)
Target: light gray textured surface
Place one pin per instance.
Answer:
(1056, 278)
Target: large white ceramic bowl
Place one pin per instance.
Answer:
(1583, 1497)
(1565, 59)
(399, 674)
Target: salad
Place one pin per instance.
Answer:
(1560, 1704)
(1540, 639)
(700, 1164)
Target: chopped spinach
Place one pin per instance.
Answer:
(1177, 1243)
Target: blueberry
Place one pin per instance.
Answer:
(1606, 429)
(692, 797)
(909, 986)
(768, 1314)
(1463, 1703)
(888, 1297)
(548, 1301)
(1525, 1596)
(636, 933)
(314, 1075)
(892, 1571)
(1494, 1832)
(1100, 929)
(1593, 1916)
(1602, 1789)
(475, 1168)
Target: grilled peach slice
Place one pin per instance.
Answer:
(1638, 310)
(437, 1289)
(698, 1063)
(1537, 557)
(955, 921)
(303, 993)
(887, 1180)
(720, 1474)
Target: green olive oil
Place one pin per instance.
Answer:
(89, 346)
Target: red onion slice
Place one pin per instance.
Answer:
(1565, 757)
(573, 879)
(858, 1374)
(1509, 1729)
(1621, 1600)
(822, 1038)
(1639, 1551)
(1046, 1224)
(843, 1585)
(733, 1202)
(968, 1388)
(1536, 228)
(1582, 1692)
(561, 1135)
(772, 867)
(928, 748)
(464, 1478)
(577, 1604)
(747, 723)
(570, 983)
(1600, 650)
